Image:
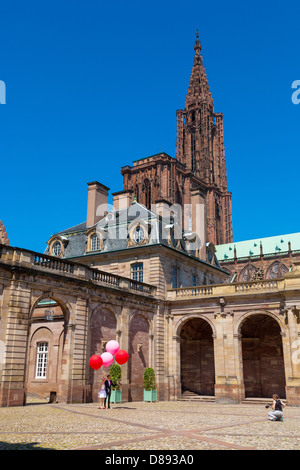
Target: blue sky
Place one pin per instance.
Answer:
(92, 86)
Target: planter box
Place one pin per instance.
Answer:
(150, 395)
(116, 396)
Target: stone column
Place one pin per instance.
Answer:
(176, 341)
(124, 344)
(15, 318)
(65, 388)
(79, 369)
(292, 356)
(170, 359)
(238, 354)
(159, 351)
(227, 387)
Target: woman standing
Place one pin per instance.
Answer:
(102, 394)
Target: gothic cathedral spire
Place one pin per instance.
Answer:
(200, 147)
(197, 176)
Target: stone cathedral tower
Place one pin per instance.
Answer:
(200, 147)
(197, 176)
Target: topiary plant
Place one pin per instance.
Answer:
(115, 372)
(149, 379)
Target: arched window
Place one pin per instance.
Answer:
(139, 234)
(56, 250)
(247, 273)
(276, 270)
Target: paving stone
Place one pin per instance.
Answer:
(147, 426)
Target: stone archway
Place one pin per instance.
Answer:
(46, 347)
(262, 356)
(102, 330)
(139, 355)
(197, 357)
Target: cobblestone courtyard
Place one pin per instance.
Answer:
(147, 426)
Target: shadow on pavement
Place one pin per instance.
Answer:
(21, 446)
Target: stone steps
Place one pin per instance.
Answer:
(258, 401)
(196, 397)
(192, 396)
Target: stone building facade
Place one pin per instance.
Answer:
(224, 341)
(160, 274)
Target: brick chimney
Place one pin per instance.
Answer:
(97, 202)
(122, 199)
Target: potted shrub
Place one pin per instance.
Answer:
(150, 392)
(116, 376)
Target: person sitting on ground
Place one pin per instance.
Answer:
(277, 407)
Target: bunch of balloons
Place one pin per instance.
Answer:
(113, 351)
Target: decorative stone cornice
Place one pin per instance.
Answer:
(295, 271)
(3, 235)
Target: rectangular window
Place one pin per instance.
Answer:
(175, 278)
(194, 280)
(41, 362)
(137, 272)
(95, 242)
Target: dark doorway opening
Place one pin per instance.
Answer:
(262, 352)
(197, 357)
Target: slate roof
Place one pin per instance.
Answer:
(115, 225)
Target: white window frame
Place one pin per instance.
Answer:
(41, 360)
(56, 249)
(95, 242)
(139, 234)
(137, 272)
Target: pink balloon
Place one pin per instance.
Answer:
(112, 347)
(107, 359)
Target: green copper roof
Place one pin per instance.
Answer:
(270, 245)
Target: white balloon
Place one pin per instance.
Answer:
(112, 347)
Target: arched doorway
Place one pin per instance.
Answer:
(262, 353)
(46, 347)
(103, 329)
(139, 352)
(197, 357)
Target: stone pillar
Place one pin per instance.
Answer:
(228, 382)
(238, 354)
(15, 319)
(65, 387)
(176, 372)
(159, 352)
(292, 356)
(79, 392)
(123, 335)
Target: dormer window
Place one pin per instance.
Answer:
(56, 249)
(139, 234)
(57, 245)
(95, 239)
(95, 242)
